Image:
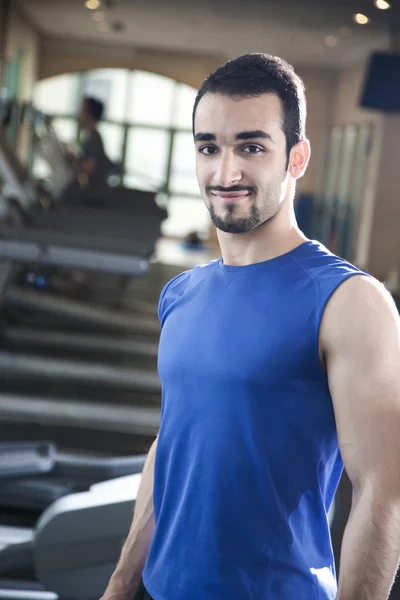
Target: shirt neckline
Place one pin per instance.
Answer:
(265, 263)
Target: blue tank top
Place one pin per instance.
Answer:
(247, 461)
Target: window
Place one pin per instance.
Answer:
(186, 215)
(146, 127)
(147, 158)
(184, 106)
(110, 86)
(113, 138)
(66, 129)
(183, 174)
(151, 99)
(58, 95)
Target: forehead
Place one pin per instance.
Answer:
(219, 114)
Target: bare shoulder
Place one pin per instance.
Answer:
(360, 311)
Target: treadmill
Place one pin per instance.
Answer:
(25, 496)
(67, 555)
(66, 190)
(103, 238)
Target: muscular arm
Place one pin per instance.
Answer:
(360, 335)
(128, 572)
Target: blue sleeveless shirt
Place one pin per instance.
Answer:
(247, 460)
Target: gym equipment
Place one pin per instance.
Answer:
(78, 311)
(19, 459)
(70, 252)
(61, 474)
(98, 422)
(81, 343)
(66, 189)
(108, 240)
(22, 365)
(68, 552)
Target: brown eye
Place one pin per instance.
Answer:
(207, 150)
(252, 149)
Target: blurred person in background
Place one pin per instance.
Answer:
(91, 163)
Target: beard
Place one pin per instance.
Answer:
(230, 223)
(228, 220)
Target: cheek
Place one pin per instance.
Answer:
(202, 172)
(271, 169)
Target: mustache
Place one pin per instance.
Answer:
(234, 188)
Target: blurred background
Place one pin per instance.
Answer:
(82, 262)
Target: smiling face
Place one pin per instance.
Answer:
(241, 159)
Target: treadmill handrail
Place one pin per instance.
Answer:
(72, 258)
(21, 459)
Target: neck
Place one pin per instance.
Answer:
(277, 236)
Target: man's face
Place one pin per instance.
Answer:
(241, 159)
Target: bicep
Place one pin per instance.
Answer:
(362, 338)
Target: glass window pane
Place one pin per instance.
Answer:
(186, 215)
(151, 98)
(110, 86)
(146, 158)
(113, 136)
(183, 169)
(184, 106)
(66, 129)
(58, 95)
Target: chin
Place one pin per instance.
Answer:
(237, 225)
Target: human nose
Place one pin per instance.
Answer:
(228, 170)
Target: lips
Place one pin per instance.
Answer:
(231, 196)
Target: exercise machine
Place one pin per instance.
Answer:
(74, 547)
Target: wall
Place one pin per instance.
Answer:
(5, 7)
(320, 85)
(384, 243)
(346, 108)
(62, 56)
(23, 38)
(378, 243)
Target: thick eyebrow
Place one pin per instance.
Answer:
(252, 135)
(204, 137)
(243, 135)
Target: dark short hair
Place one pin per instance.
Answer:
(94, 107)
(256, 74)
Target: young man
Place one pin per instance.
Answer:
(91, 165)
(277, 361)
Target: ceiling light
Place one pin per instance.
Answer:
(361, 19)
(330, 40)
(92, 4)
(382, 4)
(98, 16)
